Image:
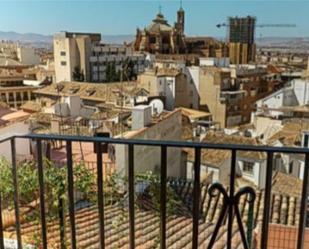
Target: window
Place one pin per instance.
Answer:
(248, 167)
(63, 63)
(290, 167)
(152, 40)
(62, 53)
(306, 140)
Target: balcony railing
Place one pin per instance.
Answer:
(229, 208)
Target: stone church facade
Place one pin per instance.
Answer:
(162, 38)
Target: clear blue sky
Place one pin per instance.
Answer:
(123, 16)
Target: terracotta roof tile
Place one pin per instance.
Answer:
(179, 224)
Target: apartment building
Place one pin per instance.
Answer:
(81, 57)
(107, 61)
(257, 82)
(72, 51)
(221, 96)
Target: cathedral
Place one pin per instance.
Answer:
(162, 38)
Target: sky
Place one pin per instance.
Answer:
(114, 17)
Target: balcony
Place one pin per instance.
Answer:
(187, 214)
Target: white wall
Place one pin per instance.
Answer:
(22, 145)
(204, 172)
(27, 56)
(147, 158)
(301, 89)
(74, 103)
(295, 94)
(71, 58)
(193, 76)
(166, 85)
(259, 172)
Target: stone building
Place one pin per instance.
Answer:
(170, 42)
(162, 38)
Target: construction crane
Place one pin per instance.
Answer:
(263, 25)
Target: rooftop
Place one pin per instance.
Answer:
(291, 133)
(179, 223)
(103, 92)
(215, 157)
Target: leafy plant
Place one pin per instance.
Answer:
(55, 182)
(27, 182)
(154, 190)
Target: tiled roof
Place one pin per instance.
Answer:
(287, 184)
(216, 158)
(194, 114)
(172, 72)
(103, 92)
(290, 134)
(31, 106)
(284, 210)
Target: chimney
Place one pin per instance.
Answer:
(55, 126)
(141, 116)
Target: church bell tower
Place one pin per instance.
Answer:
(181, 19)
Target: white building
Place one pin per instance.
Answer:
(27, 56)
(249, 165)
(294, 94)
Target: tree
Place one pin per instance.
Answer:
(111, 74)
(78, 75)
(128, 68)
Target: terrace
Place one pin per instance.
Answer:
(203, 214)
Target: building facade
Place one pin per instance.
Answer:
(72, 52)
(220, 96)
(107, 62)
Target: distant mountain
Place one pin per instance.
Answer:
(25, 38)
(39, 38)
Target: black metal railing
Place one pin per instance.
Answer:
(230, 202)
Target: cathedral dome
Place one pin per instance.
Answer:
(159, 24)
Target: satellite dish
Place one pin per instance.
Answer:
(157, 106)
